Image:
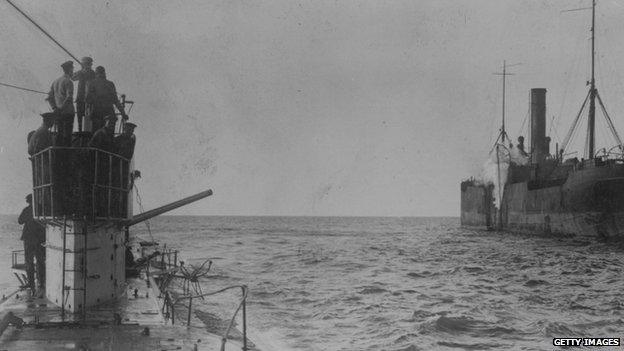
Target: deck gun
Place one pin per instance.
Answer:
(141, 217)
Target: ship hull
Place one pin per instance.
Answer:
(589, 203)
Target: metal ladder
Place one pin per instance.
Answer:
(83, 252)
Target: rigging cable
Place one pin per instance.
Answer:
(576, 62)
(147, 224)
(21, 88)
(574, 124)
(44, 31)
(605, 114)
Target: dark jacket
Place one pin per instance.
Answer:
(103, 140)
(84, 76)
(40, 140)
(102, 95)
(33, 233)
(124, 145)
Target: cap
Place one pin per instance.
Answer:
(111, 118)
(29, 198)
(48, 115)
(86, 60)
(100, 69)
(130, 125)
(67, 64)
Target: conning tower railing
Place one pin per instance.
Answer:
(79, 182)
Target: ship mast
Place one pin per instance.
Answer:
(591, 120)
(592, 96)
(503, 133)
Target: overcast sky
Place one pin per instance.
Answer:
(311, 107)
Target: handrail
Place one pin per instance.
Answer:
(98, 178)
(49, 148)
(242, 305)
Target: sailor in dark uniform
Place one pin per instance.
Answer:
(124, 143)
(103, 137)
(103, 140)
(101, 97)
(33, 236)
(84, 76)
(42, 138)
(61, 98)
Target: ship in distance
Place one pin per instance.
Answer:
(543, 191)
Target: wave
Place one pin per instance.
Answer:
(372, 290)
(535, 282)
(468, 326)
(475, 346)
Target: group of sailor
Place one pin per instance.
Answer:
(96, 99)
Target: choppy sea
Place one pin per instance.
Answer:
(333, 283)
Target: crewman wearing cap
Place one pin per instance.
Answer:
(33, 235)
(103, 137)
(101, 99)
(84, 76)
(41, 139)
(124, 143)
(60, 98)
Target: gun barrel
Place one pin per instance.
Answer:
(166, 208)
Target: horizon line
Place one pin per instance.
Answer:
(312, 216)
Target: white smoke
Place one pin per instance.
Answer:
(496, 169)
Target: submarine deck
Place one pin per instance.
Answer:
(46, 329)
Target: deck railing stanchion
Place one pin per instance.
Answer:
(188, 318)
(244, 320)
(109, 185)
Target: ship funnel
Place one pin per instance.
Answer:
(538, 125)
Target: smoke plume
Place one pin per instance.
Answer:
(496, 169)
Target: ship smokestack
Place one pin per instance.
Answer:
(538, 125)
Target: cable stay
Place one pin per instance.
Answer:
(574, 124)
(22, 88)
(43, 31)
(610, 123)
(592, 96)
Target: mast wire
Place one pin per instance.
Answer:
(21, 88)
(147, 223)
(44, 31)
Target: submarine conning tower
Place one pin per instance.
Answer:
(82, 195)
(539, 141)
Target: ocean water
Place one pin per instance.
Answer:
(330, 283)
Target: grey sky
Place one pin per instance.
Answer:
(310, 107)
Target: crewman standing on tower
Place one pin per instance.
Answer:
(33, 235)
(101, 97)
(60, 98)
(41, 138)
(124, 143)
(84, 76)
(103, 138)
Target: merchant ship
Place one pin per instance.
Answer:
(543, 192)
